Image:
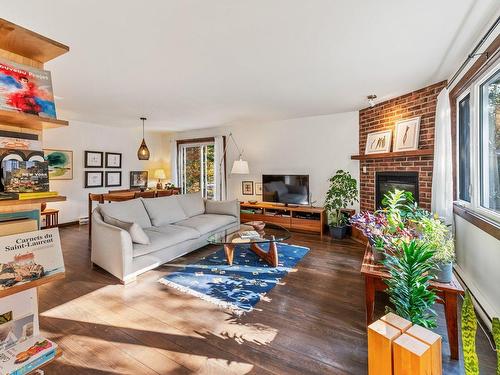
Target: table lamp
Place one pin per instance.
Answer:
(160, 175)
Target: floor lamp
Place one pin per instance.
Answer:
(240, 166)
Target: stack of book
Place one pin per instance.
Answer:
(249, 234)
(27, 356)
(38, 195)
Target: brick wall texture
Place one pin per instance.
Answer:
(383, 116)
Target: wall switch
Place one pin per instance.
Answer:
(364, 168)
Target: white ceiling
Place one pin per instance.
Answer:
(199, 63)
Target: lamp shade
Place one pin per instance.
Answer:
(160, 174)
(240, 167)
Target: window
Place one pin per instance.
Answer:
(489, 107)
(196, 167)
(464, 183)
(478, 144)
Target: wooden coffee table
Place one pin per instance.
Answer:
(271, 234)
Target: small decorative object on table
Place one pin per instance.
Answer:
(253, 202)
(160, 175)
(257, 225)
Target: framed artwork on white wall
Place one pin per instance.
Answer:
(378, 142)
(93, 159)
(407, 133)
(113, 160)
(113, 178)
(93, 179)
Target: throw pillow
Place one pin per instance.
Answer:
(136, 232)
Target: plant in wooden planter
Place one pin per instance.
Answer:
(469, 328)
(409, 285)
(343, 191)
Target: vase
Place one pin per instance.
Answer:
(338, 232)
(444, 272)
(378, 254)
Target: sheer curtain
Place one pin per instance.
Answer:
(173, 163)
(442, 177)
(220, 177)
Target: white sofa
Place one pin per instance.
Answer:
(173, 226)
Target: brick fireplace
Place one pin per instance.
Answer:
(382, 117)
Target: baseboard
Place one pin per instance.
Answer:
(68, 224)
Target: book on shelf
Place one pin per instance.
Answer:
(249, 234)
(45, 194)
(29, 256)
(27, 356)
(6, 196)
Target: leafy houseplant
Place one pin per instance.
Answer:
(496, 338)
(343, 191)
(437, 236)
(408, 287)
(469, 328)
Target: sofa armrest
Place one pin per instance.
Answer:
(223, 208)
(112, 248)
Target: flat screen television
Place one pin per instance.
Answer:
(285, 188)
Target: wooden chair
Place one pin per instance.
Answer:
(164, 193)
(145, 194)
(93, 198)
(118, 197)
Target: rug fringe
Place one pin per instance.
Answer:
(223, 304)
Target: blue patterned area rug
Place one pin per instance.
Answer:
(238, 287)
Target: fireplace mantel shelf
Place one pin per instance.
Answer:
(391, 155)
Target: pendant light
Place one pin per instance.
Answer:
(143, 152)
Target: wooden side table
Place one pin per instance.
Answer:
(448, 293)
(51, 218)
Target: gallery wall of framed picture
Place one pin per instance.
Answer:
(102, 160)
(406, 137)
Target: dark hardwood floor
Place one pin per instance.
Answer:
(312, 324)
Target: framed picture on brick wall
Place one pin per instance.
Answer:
(378, 142)
(407, 133)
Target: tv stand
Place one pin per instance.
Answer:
(297, 218)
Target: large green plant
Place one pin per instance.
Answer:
(469, 328)
(408, 287)
(395, 208)
(496, 338)
(438, 237)
(343, 191)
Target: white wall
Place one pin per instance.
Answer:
(79, 137)
(478, 263)
(316, 146)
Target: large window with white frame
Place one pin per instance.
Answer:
(478, 145)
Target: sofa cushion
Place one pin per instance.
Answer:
(206, 223)
(192, 204)
(222, 207)
(131, 211)
(164, 210)
(163, 237)
(137, 234)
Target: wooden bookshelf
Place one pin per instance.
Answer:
(27, 43)
(27, 121)
(20, 202)
(32, 284)
(398, 154)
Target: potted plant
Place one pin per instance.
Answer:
(409, 285)
(437, 236)
(343, 191)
